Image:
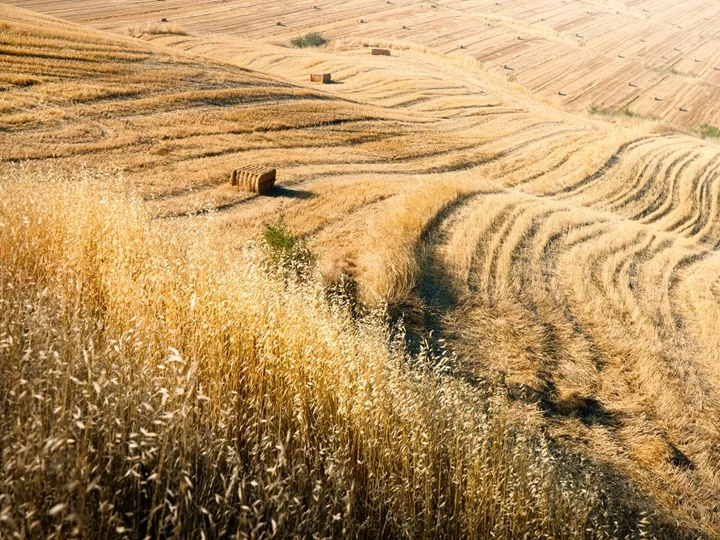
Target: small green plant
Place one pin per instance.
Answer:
(313, 39)
(707, 130)
(625, 111)
(286, 250)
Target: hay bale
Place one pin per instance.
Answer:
(323, 78)
(254, 178)
(380, 52)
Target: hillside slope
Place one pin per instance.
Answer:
(569, 259)
(657, 57)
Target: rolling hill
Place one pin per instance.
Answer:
(568, 259)
(657, 58)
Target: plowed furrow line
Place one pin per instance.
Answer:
(644, 182)
(668, 187)
(489, 281)
(600, 193)
(543, 245)
(691, 213)
(601, 260)
(620, 272)
(558, 162)
(704, 226)
(610, 164)
(674, 279)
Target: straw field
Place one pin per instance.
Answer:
(507, 326)
(654, 56)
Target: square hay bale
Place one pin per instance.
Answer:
(380, 52)
(324, 78)
(254, 178)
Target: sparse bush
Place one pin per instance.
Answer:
(286, 249)
(625, 111)
(313, 39)
(708, 131)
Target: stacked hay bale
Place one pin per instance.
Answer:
(324, 78)
(255, 178)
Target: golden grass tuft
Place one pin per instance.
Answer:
(157, 29)
(151, 386)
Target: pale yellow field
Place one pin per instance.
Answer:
(659, 58)
(569, 259)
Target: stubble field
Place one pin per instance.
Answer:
(569, 261)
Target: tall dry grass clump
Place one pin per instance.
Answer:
(150, 386)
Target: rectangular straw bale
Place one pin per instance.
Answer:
(254, 178)
(324, 78)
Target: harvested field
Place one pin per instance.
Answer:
(587, 50)
(566, 264)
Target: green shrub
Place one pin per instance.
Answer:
(313, 39)
(286, 250)
(625, 111)
(707, 130)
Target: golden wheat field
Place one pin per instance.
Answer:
(482, 300)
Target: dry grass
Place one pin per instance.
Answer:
(152, 386)
(569, 262)
(154, 29)
(587, 51)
